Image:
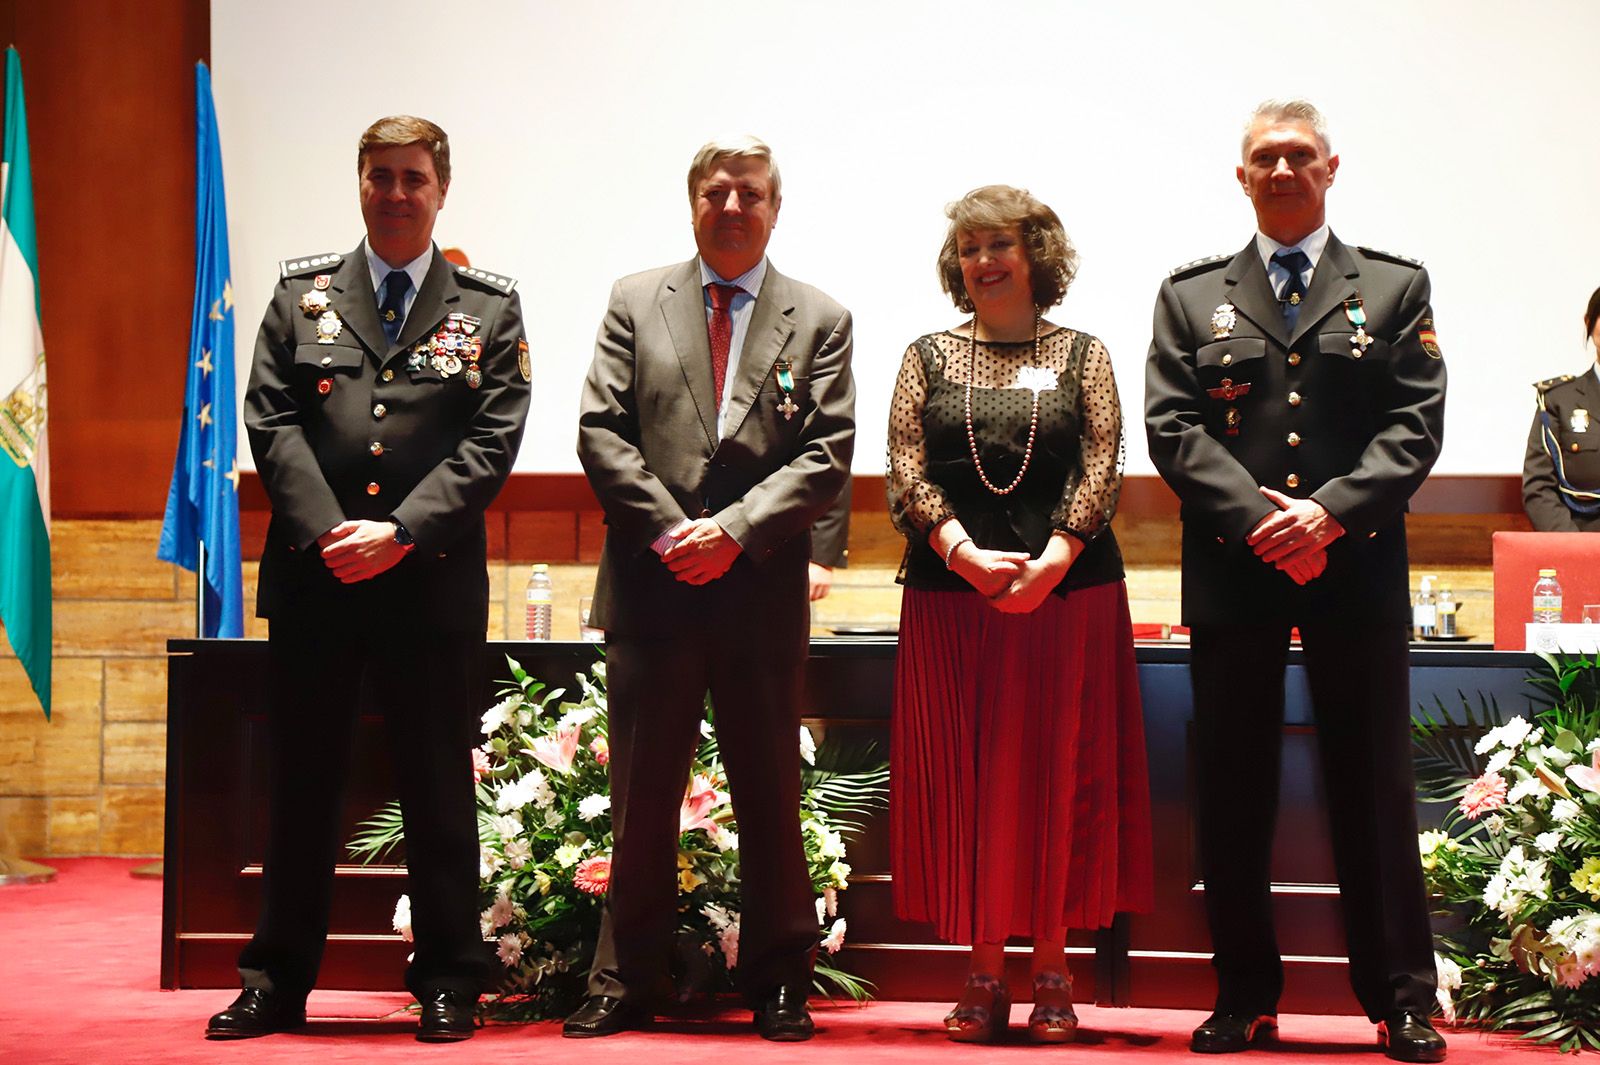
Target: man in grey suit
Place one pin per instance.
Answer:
(717, 425)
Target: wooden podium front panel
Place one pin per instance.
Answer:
(216, 820)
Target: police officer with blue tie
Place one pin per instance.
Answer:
(1294, 402)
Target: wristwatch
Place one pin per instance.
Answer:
(402, 535)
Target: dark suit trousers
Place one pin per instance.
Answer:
(1360, 692)
(656, 693)
(425, 686)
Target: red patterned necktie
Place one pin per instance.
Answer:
(721, 334)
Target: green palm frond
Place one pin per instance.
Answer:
(824, 976)
(378, 836)
(1443, 745)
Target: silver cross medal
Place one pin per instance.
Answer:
(787, 407)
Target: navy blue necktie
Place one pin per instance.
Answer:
(1295, 261)
(393, 308)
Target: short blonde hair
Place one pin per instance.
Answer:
(1052, 260)
(1286, 111)
(743, 146)
(397, 131)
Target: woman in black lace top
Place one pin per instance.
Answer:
(1021, 805)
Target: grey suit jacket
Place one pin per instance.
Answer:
(647, 438)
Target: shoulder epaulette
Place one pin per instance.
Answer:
(1375, 253)
(492, 281)
(314, 264)
(1549, 383)
(1198, 264)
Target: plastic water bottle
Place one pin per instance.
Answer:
(1446, 614)
(540, 595)
(1547, 599)
(1425, 614)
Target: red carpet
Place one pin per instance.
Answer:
(79, 963)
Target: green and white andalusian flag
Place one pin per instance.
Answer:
(25, 464)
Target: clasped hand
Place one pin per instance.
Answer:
(360, 550)
(1295, 538)
(703, 552)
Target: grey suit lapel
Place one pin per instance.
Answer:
(438, 291)
(684, 308)
(771, 325)
(1250, 292)
(356, 303)
(1331, 285)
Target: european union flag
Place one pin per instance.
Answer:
(203, 502)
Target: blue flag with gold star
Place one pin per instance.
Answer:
(203, 502)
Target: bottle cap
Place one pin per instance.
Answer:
(1547, 573)
(540, 567)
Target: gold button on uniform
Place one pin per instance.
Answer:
(1293, 439)
(1573, 447)
(1227, 359)
(388, 375)
(372, 488)
(327, 360)
(1294, 399)
(1293, 480)
(376, 448)
(379, 411)
(1294, 358)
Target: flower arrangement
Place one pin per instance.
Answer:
(1516, 861)
(544, 828)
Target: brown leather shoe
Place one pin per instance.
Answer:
(257, 1011)
(604, 1015)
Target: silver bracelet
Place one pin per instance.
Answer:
(950, 552)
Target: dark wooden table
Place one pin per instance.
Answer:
(216, 819)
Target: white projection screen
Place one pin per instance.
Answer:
(1467, 132)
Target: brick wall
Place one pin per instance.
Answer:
(90, 781)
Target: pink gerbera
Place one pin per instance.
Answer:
(480, 763)
(1486, 793)
(593, 875)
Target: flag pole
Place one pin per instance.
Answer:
(21, 871)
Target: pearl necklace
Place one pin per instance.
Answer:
(1033, 418)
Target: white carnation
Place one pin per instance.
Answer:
(592, 806)
(499, 715)
(577, 716)
(402, 917)
(1565, 810)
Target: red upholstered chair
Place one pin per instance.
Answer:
(1518, 558)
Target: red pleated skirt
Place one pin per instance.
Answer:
(1021, 801)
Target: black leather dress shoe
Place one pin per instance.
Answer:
(604, 1015)
(783, 1018)
(1407, 1036)
(1229, 1033)
(447, 1016)
(257, 1011)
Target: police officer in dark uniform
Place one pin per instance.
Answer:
(1294, 402)
(385, 407)
(1561, 471)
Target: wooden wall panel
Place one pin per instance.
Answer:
(110, 94)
